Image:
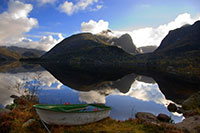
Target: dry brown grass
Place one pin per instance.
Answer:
(13, 121)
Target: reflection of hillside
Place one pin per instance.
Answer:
(101, 79)
(138, 90)
(175, 91)
(92, 80)
(4, 67)
(124, 84)
(146, 79)
(16, 67)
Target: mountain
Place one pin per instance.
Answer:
(87, 49)
(125, 41)
(178, 55)
(13, 53)
(25, 52)
(180, 41)
(147, 49)
(7, 55)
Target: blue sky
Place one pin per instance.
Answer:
(66, 17)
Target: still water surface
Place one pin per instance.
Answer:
(127, 95)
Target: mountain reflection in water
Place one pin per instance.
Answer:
(126, 93)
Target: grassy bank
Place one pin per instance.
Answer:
(20, 113)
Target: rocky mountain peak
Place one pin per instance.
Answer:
(181, 40)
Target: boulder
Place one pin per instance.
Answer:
(172, 107)
(149, 117)
(180, 110)
(191, 124)
(14, 96)
(17, 100)
(189, 113)
(163, 117)
(192, 102)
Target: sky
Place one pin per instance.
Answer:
(41, 24)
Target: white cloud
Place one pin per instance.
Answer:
(143, 36)
(139, 90)
(15, 22)
(91, 97)
(69, 8)
(94, 27)
(147, 92)
(154, 36)
(45, 43)
(42, 2)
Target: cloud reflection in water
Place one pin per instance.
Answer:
(9, 81)
(141, 96)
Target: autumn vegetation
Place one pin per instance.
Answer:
(22, 110)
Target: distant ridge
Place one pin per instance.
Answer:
(147, 49)
(7, 55)
(25, 52)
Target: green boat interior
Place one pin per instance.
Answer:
(72, 107)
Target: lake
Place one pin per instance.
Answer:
(127, 94)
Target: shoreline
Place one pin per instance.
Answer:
(22, 117)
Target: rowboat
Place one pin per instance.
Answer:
(73, 114)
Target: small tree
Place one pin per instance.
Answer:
(27, 87)
(31, 88)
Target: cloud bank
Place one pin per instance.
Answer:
(45, 43)
(154, 36)
(142, 36)
(69, 8)
(15, 23)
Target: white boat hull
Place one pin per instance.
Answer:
(71, 118)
